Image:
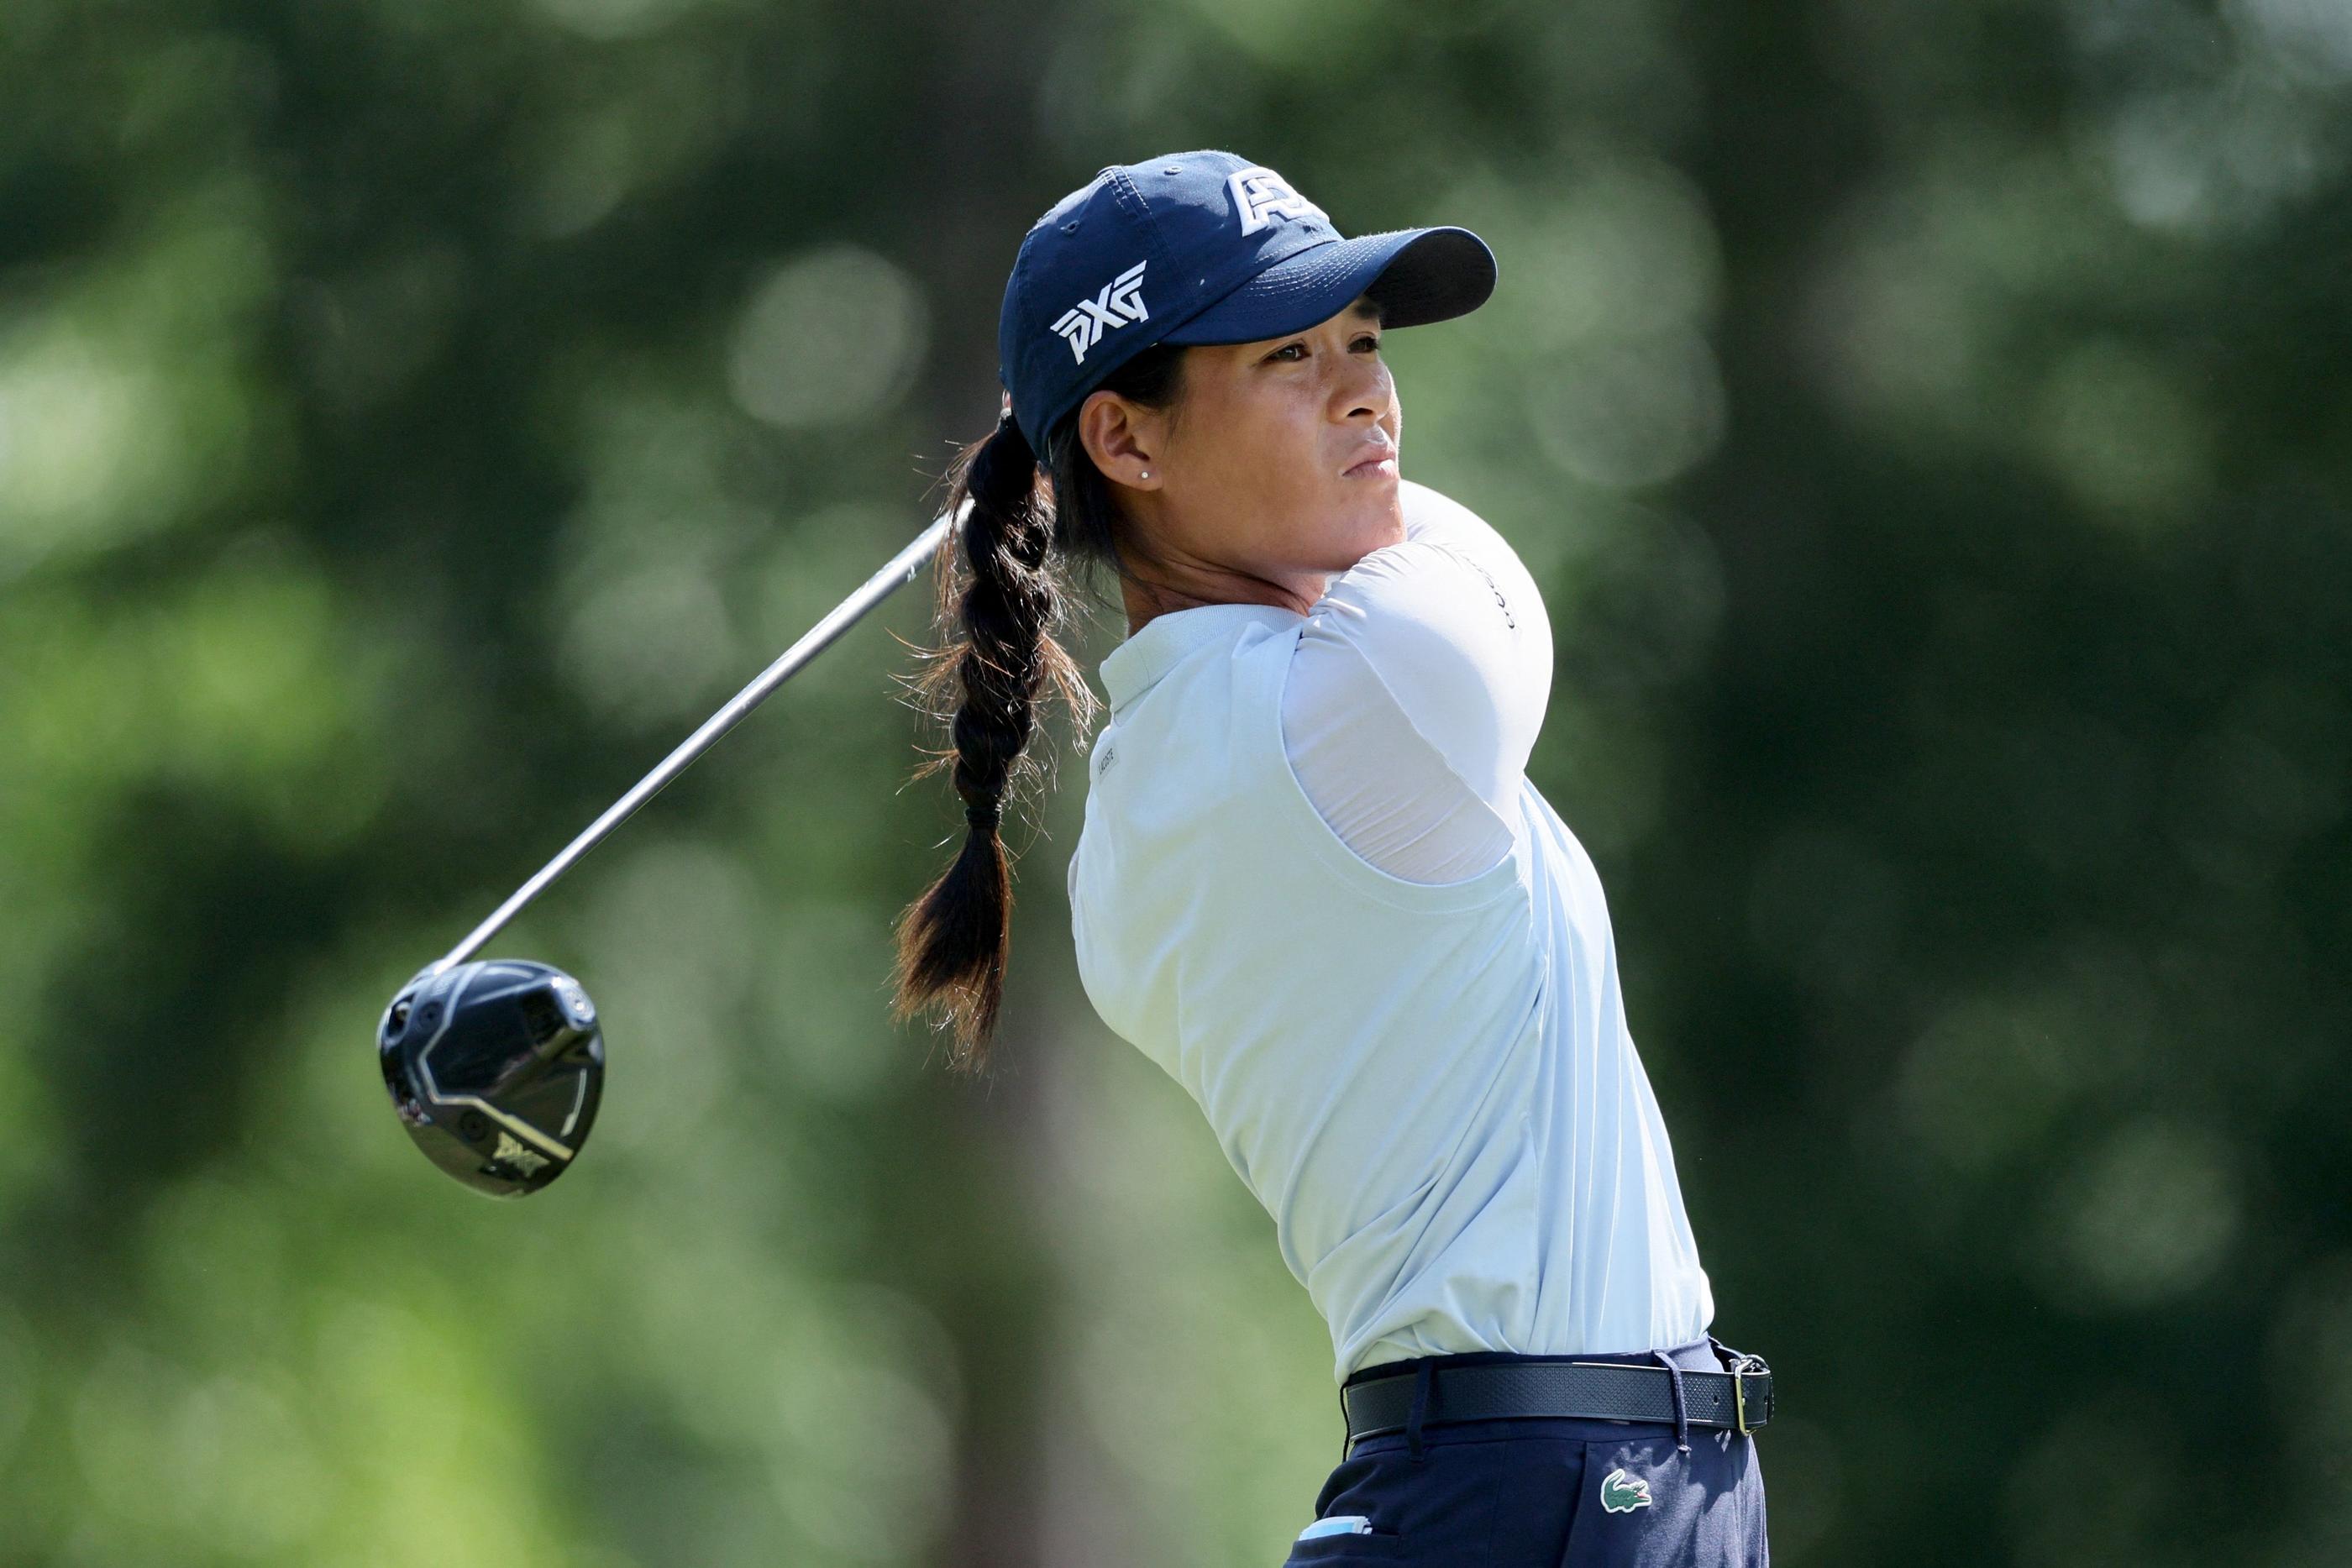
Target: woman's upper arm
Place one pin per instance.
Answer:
(1432, 516)
(1452, 623)
(1416, 692)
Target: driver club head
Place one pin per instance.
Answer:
(496, 1069)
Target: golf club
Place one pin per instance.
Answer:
(497, 1067)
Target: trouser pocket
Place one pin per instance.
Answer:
(1439, 1510)
(1643, 1504)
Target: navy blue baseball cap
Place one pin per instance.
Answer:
(1202, 247)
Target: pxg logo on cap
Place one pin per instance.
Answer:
(1120, 301)
(1201, 247)
(1259, 196)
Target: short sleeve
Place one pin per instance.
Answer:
(1416, 692)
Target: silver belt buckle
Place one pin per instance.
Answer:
(1749, 1366)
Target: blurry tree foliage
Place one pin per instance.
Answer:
(1930, 425)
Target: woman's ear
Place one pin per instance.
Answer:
(1124, 438)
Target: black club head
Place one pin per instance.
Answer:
(496, 1069)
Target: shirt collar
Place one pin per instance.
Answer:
(1130, 669)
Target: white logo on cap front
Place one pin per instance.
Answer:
(1260, 195)
(1120, 302)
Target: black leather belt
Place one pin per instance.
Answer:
(1585, 1390)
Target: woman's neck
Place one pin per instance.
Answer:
(1192, 587)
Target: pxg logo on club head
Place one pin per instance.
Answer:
(496, 1069)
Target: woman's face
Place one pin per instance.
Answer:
(1276, 461)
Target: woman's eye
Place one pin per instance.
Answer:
(1292, 353)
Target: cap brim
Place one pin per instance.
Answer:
(1415, 276)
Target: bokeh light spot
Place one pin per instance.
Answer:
(829, 338)
(2145, 1216)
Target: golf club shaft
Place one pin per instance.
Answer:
(901, 569)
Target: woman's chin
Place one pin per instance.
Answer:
(1369, 523)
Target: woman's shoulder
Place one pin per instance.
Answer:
(1435, 644)
(1449, 554)
(1451, 601)
(1433, 518)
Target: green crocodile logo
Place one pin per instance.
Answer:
(1622, 1494)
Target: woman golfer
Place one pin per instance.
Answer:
(1314, 885)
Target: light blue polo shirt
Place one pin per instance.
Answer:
(1430, 1087)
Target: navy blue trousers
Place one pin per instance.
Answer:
(1540, 1493)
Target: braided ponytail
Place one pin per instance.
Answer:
(1000, 654)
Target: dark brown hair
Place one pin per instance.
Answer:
(1000, 615)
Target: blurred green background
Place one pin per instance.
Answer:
(1930, 425)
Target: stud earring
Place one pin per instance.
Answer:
(1146, 473)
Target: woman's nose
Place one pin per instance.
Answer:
(1368, 392)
